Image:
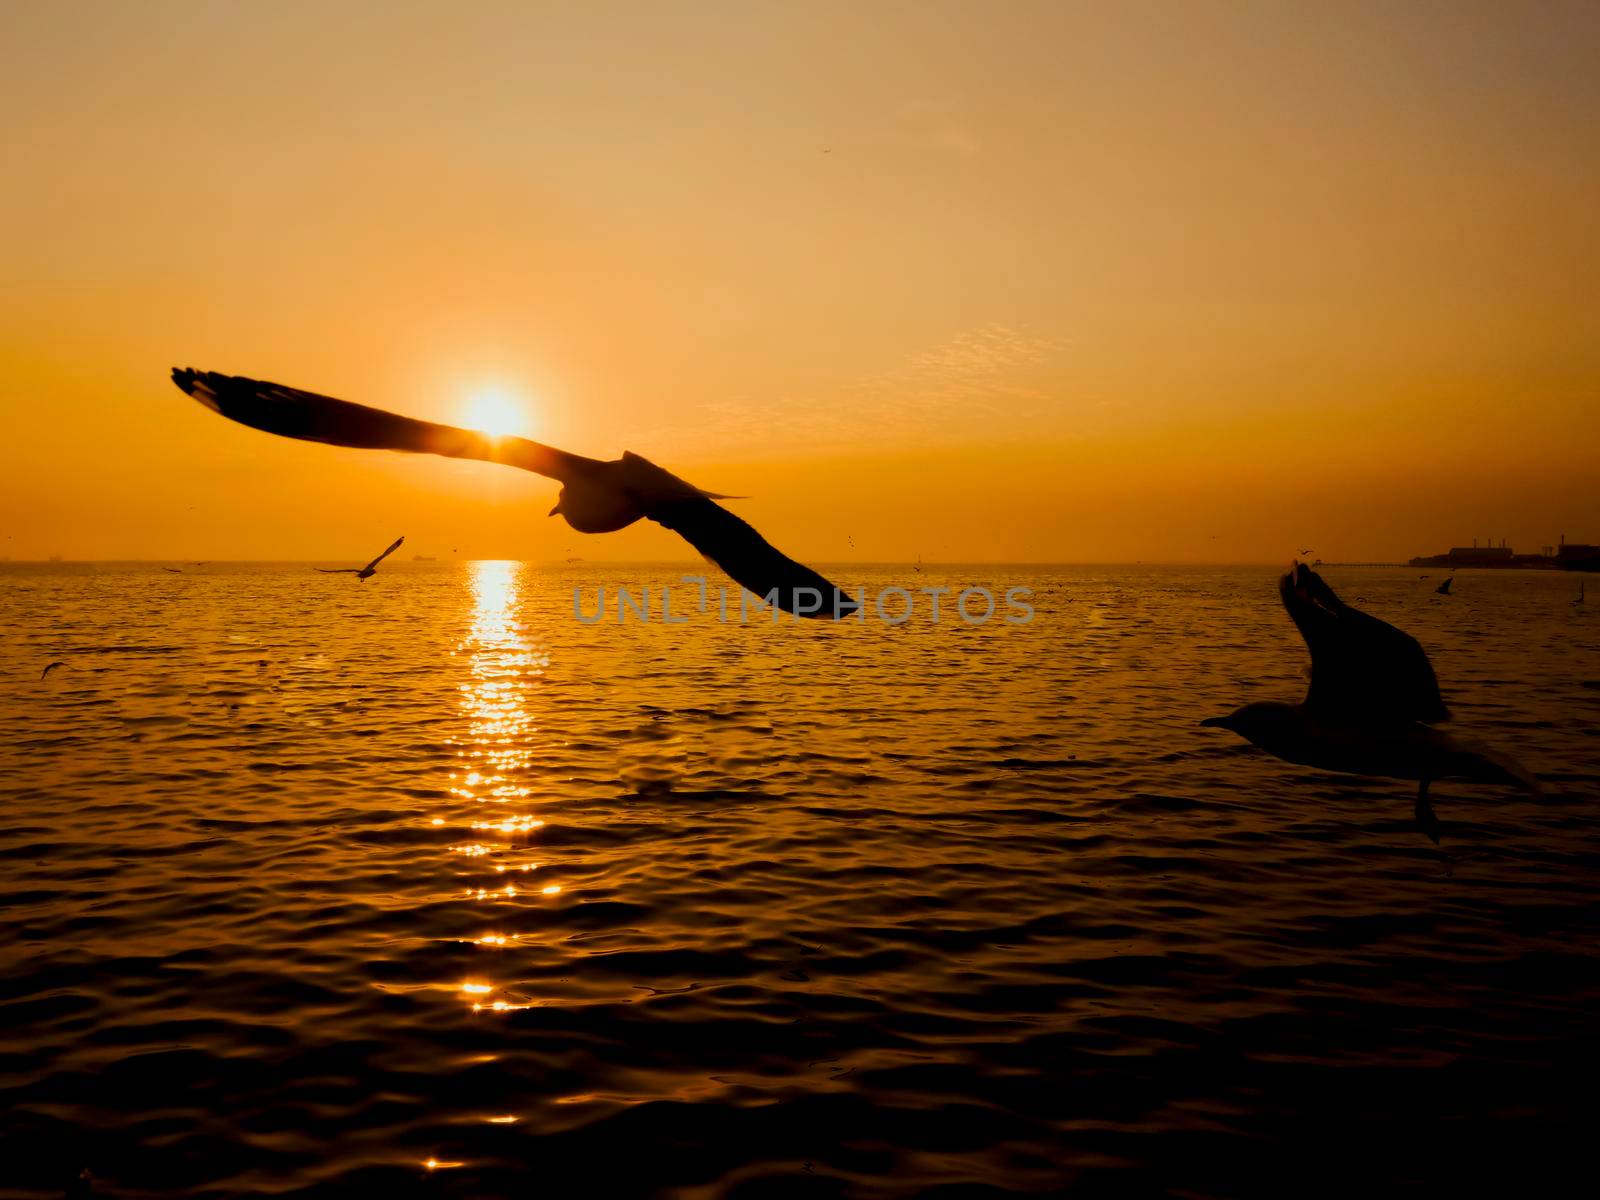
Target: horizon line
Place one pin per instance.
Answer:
(663, 562)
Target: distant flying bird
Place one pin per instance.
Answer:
(50, 667)
(174, 570)
(1444, 588)
(596, 496)
(1303, 552)
(365, 573)
(1372, 700)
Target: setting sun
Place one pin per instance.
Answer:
(496, 413)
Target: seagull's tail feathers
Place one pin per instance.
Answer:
(307, 416)
(1468, 758)
(1502, 768)
(751, 560)
(653, 486)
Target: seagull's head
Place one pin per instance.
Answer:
(1261, 723)
(596, 507)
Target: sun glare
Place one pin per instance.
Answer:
(496, 413)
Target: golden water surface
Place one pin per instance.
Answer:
(425, 886)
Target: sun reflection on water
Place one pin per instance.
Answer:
(497, 762)
(502, 663)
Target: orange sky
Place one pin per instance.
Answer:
(966, 281)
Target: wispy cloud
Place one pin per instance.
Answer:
(976, 371)
(976, 383)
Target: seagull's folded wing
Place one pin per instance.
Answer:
(751, 560)
(290, 412)
(1361, 668)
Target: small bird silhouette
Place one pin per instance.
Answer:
(1444, 588)
(50, 667)
(174, 570)
(1305, 552)
(365, 573)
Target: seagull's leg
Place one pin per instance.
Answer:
(1425, 817)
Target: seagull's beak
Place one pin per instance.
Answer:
(1218, 722)
(554, 510)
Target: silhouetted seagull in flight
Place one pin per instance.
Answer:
(365, 573)
(596, 496)
(1444, 588)
(50, 667)
(1372, 700)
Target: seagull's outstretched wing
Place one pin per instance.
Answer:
(1361, 667)
(751, 560)
(289, 412)
(338, 570)
(392, 548)
(718, 534)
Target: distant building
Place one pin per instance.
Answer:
(1573, 556)
(1577, 556)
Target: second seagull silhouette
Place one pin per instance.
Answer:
(1371, 707)
(365, 573)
